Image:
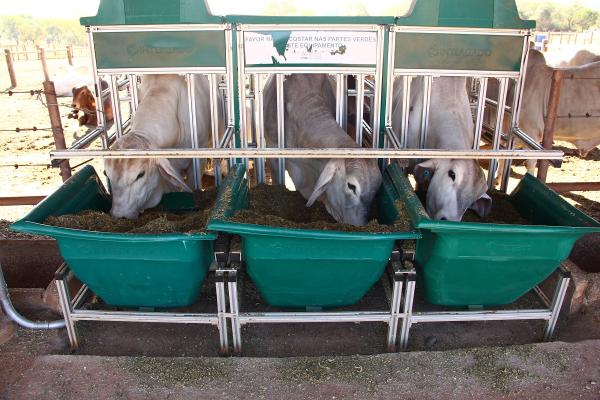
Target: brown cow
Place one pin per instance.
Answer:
(84, 101)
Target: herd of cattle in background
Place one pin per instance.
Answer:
(345, 186)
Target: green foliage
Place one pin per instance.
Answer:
(585, 18)
(282, 7)
(355, 9)
(25, 28)
(551, 16)
(399, 9)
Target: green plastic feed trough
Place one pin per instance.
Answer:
(297, 268)
(126, 270)
(462, 264)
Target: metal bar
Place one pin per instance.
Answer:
(427, 81)
(405, 111)
(409, 296)
(480, 110)
(465, 31)
(555, 88)
(232, 285)
(191, 88)
(497, 133)
(395, 313)
(163, 70)
(65, 303)
(242, 95)
(503, 315)
(308, 153)
(128, 316)
(339, 95)
(153, 28)
(360, 103)
(280, 127)
(309, 69)
(114, 89)
(341, 316)
(450, 72)
(305, 27)
(376, 105)
(98, 91)
(227, 137)
(259, 165)
(557, 300)
(391, 137)
(221, 311)
(215, 127)
(133, 92)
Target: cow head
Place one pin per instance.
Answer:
(138, 184)
(84, 101)
(454, 186)
(347, 188)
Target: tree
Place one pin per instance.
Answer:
(355, 9)
(282, 7)
(585, 18)
(12, 25)
(568, 11)
(32, 32)
(398, 9)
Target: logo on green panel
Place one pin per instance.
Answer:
(135, 49)
(503, 249)
(436, 51)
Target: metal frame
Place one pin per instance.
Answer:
(402, 283)
(392, 281)
(72, 308)
(549, 314)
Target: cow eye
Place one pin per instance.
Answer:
(140, 175)
(452, 175)
(352, 187)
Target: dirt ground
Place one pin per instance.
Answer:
(490, 359)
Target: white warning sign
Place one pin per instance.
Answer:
(310, 47)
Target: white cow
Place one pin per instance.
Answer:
(346, 186)
(63, 85)
(161, 122)
(578, 97)
(571, 58)
(454, 184)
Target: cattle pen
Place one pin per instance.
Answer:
(487, 39)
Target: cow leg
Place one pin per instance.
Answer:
(274, 168)
(530, 164)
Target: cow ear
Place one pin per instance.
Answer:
(169, 173)
(424, 172)
(482, 206)
(324, 180)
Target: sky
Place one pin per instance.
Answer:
(73, 9)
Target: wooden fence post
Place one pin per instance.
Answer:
(557, 79)
(44, 66)
(37, 47)
(70, 54)
(57, 129)
(11, 68)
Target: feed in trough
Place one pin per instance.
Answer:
(275, 205)
(153, 221)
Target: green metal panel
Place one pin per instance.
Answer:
(151, 12)
(160, 49)
(127, 270)
(497, 14)
(462, 264)
(415, 50)
(300, 268)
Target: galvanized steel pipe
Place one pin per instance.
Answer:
(18, 318)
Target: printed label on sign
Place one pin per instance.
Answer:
(310, 47)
